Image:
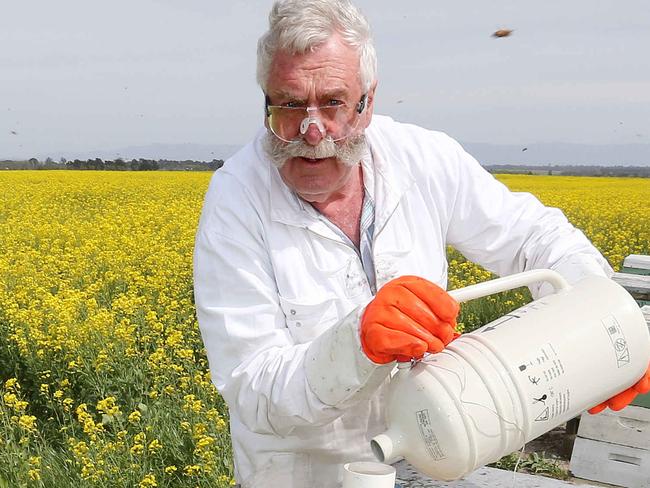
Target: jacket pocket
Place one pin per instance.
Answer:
(307, 319)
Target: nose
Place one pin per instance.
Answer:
(313, 135)
(312, 130)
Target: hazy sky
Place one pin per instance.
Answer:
(78, 75)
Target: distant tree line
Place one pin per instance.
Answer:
(571, 170)
(141, 164)
(118, 164)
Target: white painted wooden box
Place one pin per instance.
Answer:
(637, 263)
(614, 447)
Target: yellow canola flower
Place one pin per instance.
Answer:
(10, 399)
(227, 479)
(96, 282)
(204, 442)
(612, 212)
(137, 449)
(174, 339)
(80, 448)
(155, 446)
(27, 422)
(108, 406)
(135, 416)
(149, 481)
(192, 470)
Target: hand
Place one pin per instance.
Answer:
(624, 398)
(408, 317)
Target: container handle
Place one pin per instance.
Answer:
(508, 283)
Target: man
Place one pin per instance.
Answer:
(300, 229)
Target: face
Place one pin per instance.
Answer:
(318, 169)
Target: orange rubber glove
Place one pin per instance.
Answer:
(623, 399)
(408, 317)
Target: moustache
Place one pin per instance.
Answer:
(324, 149)
(349, 153)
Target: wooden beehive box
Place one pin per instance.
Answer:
(637, 264)
(644, 400)
(635, 277)
(614, 447)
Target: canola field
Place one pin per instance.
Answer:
(103, 377)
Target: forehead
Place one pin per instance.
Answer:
(331, 67)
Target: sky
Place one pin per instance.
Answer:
(83, 75)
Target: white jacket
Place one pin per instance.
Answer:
(279, 294)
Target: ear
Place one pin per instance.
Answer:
(267, 102)
(371, 95)
(367, 113)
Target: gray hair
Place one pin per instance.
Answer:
(299, 26)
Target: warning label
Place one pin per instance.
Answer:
(552, 404)
(426, 432)
(542, 417)
(545, 378)
(617, 338)
(545, 367)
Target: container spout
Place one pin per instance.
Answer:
(385, 447)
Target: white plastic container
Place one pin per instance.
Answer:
(492, 390)
(365, 474)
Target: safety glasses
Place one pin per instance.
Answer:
(337, 121)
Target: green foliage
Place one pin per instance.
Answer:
(534, 463)
(476, 313)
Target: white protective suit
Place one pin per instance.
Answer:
(279, 294)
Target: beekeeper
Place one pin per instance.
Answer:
(320, 254)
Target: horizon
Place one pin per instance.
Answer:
(487, 154)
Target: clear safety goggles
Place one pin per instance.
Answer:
(336, 122)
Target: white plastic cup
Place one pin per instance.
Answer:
(363, 474)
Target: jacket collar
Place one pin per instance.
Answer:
(391, 176)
